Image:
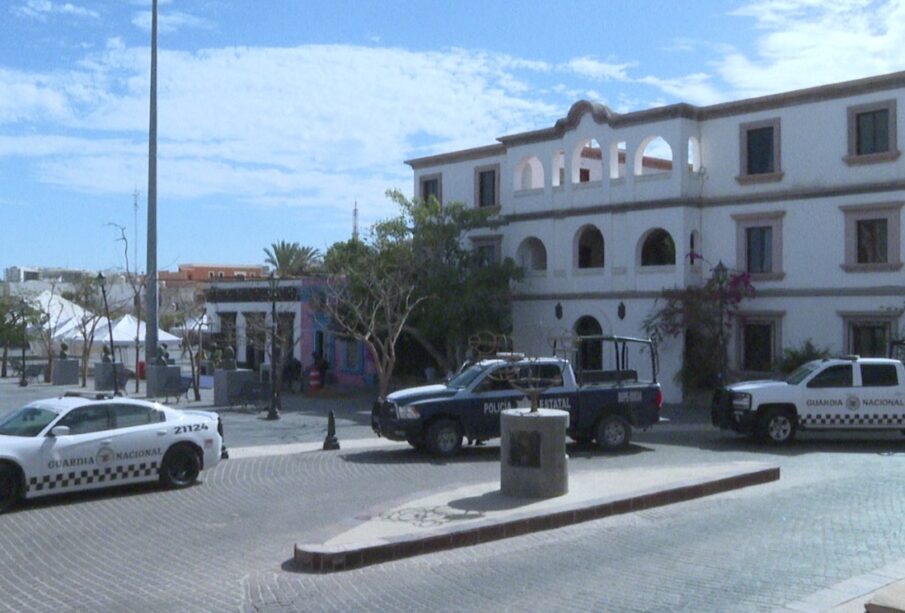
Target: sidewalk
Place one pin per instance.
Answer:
(480, 513)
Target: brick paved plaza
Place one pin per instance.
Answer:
(226, 543)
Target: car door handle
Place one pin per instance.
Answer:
(161, 432)
(107, 441)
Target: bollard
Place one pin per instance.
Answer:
(330, 442)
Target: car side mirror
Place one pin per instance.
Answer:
(60, 431)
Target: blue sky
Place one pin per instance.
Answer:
(277, 115)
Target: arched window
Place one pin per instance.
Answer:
(532, 255)
(589, 248)
(590, 351)
(529, 174)
(694, 154)
(658, 249)
(587, 162)
(654, 156)
(559, 168)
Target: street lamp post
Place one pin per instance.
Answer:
(100, 280)
(721, 275)
(23, 311)
(273, 412)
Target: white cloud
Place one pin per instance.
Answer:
(592, 68)
(169, 21)
(316, 125)
(41, 9)
(695, 88)
(811, 42)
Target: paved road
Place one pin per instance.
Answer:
(224, 544)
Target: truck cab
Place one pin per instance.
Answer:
(847, 393)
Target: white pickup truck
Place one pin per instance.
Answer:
(849, 393)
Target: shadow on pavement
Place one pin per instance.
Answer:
(710, 438)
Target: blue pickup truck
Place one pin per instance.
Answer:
(603, 405)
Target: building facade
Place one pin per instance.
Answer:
(802, 190)
(241, 316)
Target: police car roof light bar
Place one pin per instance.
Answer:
(88, 395)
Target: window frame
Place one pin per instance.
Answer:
(888, 319)
(891, 211)
(576, 253)
(744, 178)
(743, 222)
(494, 240)
(438, 176)
(495, 168)
(854, 158)
(772, 318)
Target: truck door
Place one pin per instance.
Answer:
(882, 399)
(492, 395)
(831, 400)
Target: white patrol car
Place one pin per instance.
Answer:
(79, 442)
(849, 393)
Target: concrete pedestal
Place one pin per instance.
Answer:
(65, 372)
(103, 376)
(228, 385)
(162, 380)
(533, 461)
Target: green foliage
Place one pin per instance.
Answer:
(695, 313)
(291, 259)
(793, 357)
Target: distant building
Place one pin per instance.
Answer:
(240, 314)
(213, 272)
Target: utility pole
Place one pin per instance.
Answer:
(151, 290)
(135, 195)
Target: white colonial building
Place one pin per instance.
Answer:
(803, 190)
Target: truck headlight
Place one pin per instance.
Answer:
(742, 401)
(407, 412)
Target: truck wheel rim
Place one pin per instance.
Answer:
(614, 433)
(780, 428)
(446, 440)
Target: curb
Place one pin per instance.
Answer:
(332, 558)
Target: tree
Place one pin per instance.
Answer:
(373, 292)
(291, 259)
(696, 313)
(466, 291)
(46, 322)
(87, 294)
(137, 284)
(188, 317)
(11, 314)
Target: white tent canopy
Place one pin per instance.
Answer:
(124, 330)
(63, 316)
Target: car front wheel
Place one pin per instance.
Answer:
(10, 490)
(180, 467)
(444, 437)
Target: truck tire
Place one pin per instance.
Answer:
(444, 437)
(10, 487)
(777, 426)
(613, 432)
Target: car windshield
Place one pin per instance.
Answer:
(801, 373)
(464, 378)
(27, 421)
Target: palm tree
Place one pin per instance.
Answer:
(291, 259)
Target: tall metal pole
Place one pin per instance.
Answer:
(151, 281)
